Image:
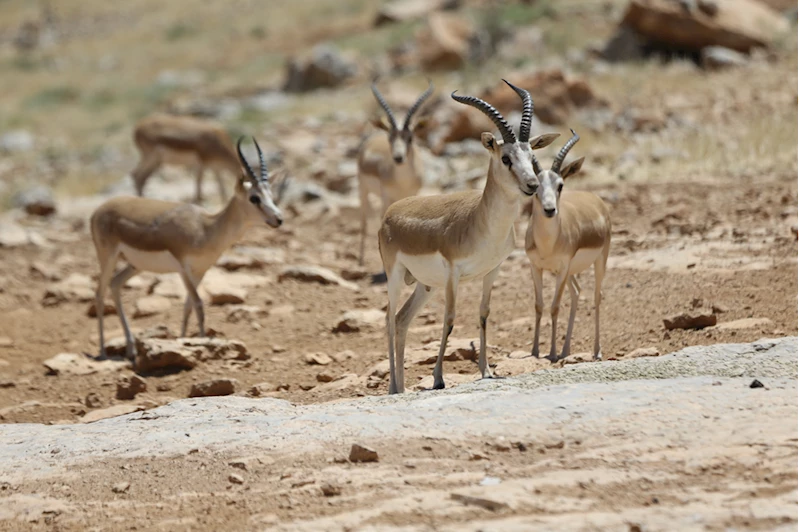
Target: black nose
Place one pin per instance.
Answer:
(279, 222)
(550, 212)
(398, 159)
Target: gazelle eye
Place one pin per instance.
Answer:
(506, 160)
(255, 200)
(560, 188)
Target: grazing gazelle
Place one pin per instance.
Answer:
(185, 141)
(439, 241)
(388, 165)
(569, 230)
(164, 236)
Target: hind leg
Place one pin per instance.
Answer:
(116, 285)
(574, 291)
(106, 272)
(449, 322)
(485, 302)
(146, 167)
(395, 281)
(599, 276)
(406, 314)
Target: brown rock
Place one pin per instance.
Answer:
(93, 400)
(360, 453)
(643, 352)
(235, 478)
(330, 490)
(360, 320)
(108, 309)
(150, 306)
(76, 287)
(156, 354)
(128, 386)
(745, 323)
(325, 66)
(260, 389)
(121, 487)
(737, 24)
(698, 320)
(444, 42)
(111, 411)
(222, 292)
(324, 377)
(214, 387)
(319, 359)
(314, 274)
(75, 364)
(492, 504)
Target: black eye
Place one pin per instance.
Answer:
(255, 200)
(506, 160)
(560, 188)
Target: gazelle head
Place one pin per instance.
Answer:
(254, 191)
(400, 139)
(512, 158)
(552, 180)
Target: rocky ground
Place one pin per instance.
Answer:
(686, 441)
(693, 150)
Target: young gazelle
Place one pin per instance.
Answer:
(569, 230)
(388, 165)
(439, 241)
(164, 236)
(182, 140)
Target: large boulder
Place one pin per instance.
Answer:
(325, 67)
(694, 24)
(447, 42)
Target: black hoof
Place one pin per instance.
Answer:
(379, 278)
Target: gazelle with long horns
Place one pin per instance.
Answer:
(164, 236)
(388, 165)
(439, 241)
(569, 230)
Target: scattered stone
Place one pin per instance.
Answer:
(13, 235)
(643, 352)
(354, 274)
(745, 323)
(111, 411)
(330, 490)
(150, 306)
(718, 308)
(360, 453)
(75, 364)
(404, 10)
(93, 400)
(757, 384)
(324, 377)
(698, 320)
(5, 341)
(17, 140)
(214, 387)
(447, 42)
(261, 389)
(720, 58)
(475, 456)
(44, 270)
(238, 464)
(325, 67)
(481, 501)
(109, 309)
(158, 354)
(222, 292)
(237, 313)
(343, 382)
(360, 320)
(490, 481)
(342, 356)
(169, 285)
(36, 200)
(314, 274)
(76, 287)
(235, 478)
(121, 487)
(128, 386)
(319, 359)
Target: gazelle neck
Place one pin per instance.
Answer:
(545, 230)
(228, 225)
(499, 206)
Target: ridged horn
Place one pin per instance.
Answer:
(243, 160)
(564, 151)
(417, 104)
(384, 104)
(504, 129)
(527, 111)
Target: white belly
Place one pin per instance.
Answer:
(581, 261)
(150, 261)
(431, 270)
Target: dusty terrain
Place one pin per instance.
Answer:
(698, 167)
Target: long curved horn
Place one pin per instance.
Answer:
(384, 104)
(564, 151)
(527, 111)
(243, 160)
(415, 107)
(507, 133)
(264, 169)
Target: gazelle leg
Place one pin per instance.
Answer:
(187, 306)
(485, 302)
(116, 286)
(220, 183)
(394, 290)
(406, 314)
(561, 284)
(144, 169)
(449, 321)
(574, 291)
(538, 281)
(106, 271)
(191, 288)
(198, 185)
(599, 276)
(365, 211)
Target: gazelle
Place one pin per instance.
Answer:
(388, 165)
(185, 141)
(439, 241)
(164, 236)
(568, 231)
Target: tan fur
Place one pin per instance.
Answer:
(186, 141)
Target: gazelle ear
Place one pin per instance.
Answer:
(572, 168)
(489, 142)
(420, 124)
(380, 123)
(542, 141)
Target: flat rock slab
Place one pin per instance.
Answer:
(672, 395)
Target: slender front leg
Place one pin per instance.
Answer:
(574, 291)
(406, 314)
(187, 306)
(116, 285)
(538, 281)
(394, 291)
(599, 275)
(191, 288)
(561, 284)
(365, 210)
(106, 271)
(485, 302)
(449, 321)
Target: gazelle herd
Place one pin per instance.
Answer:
(431, 241)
